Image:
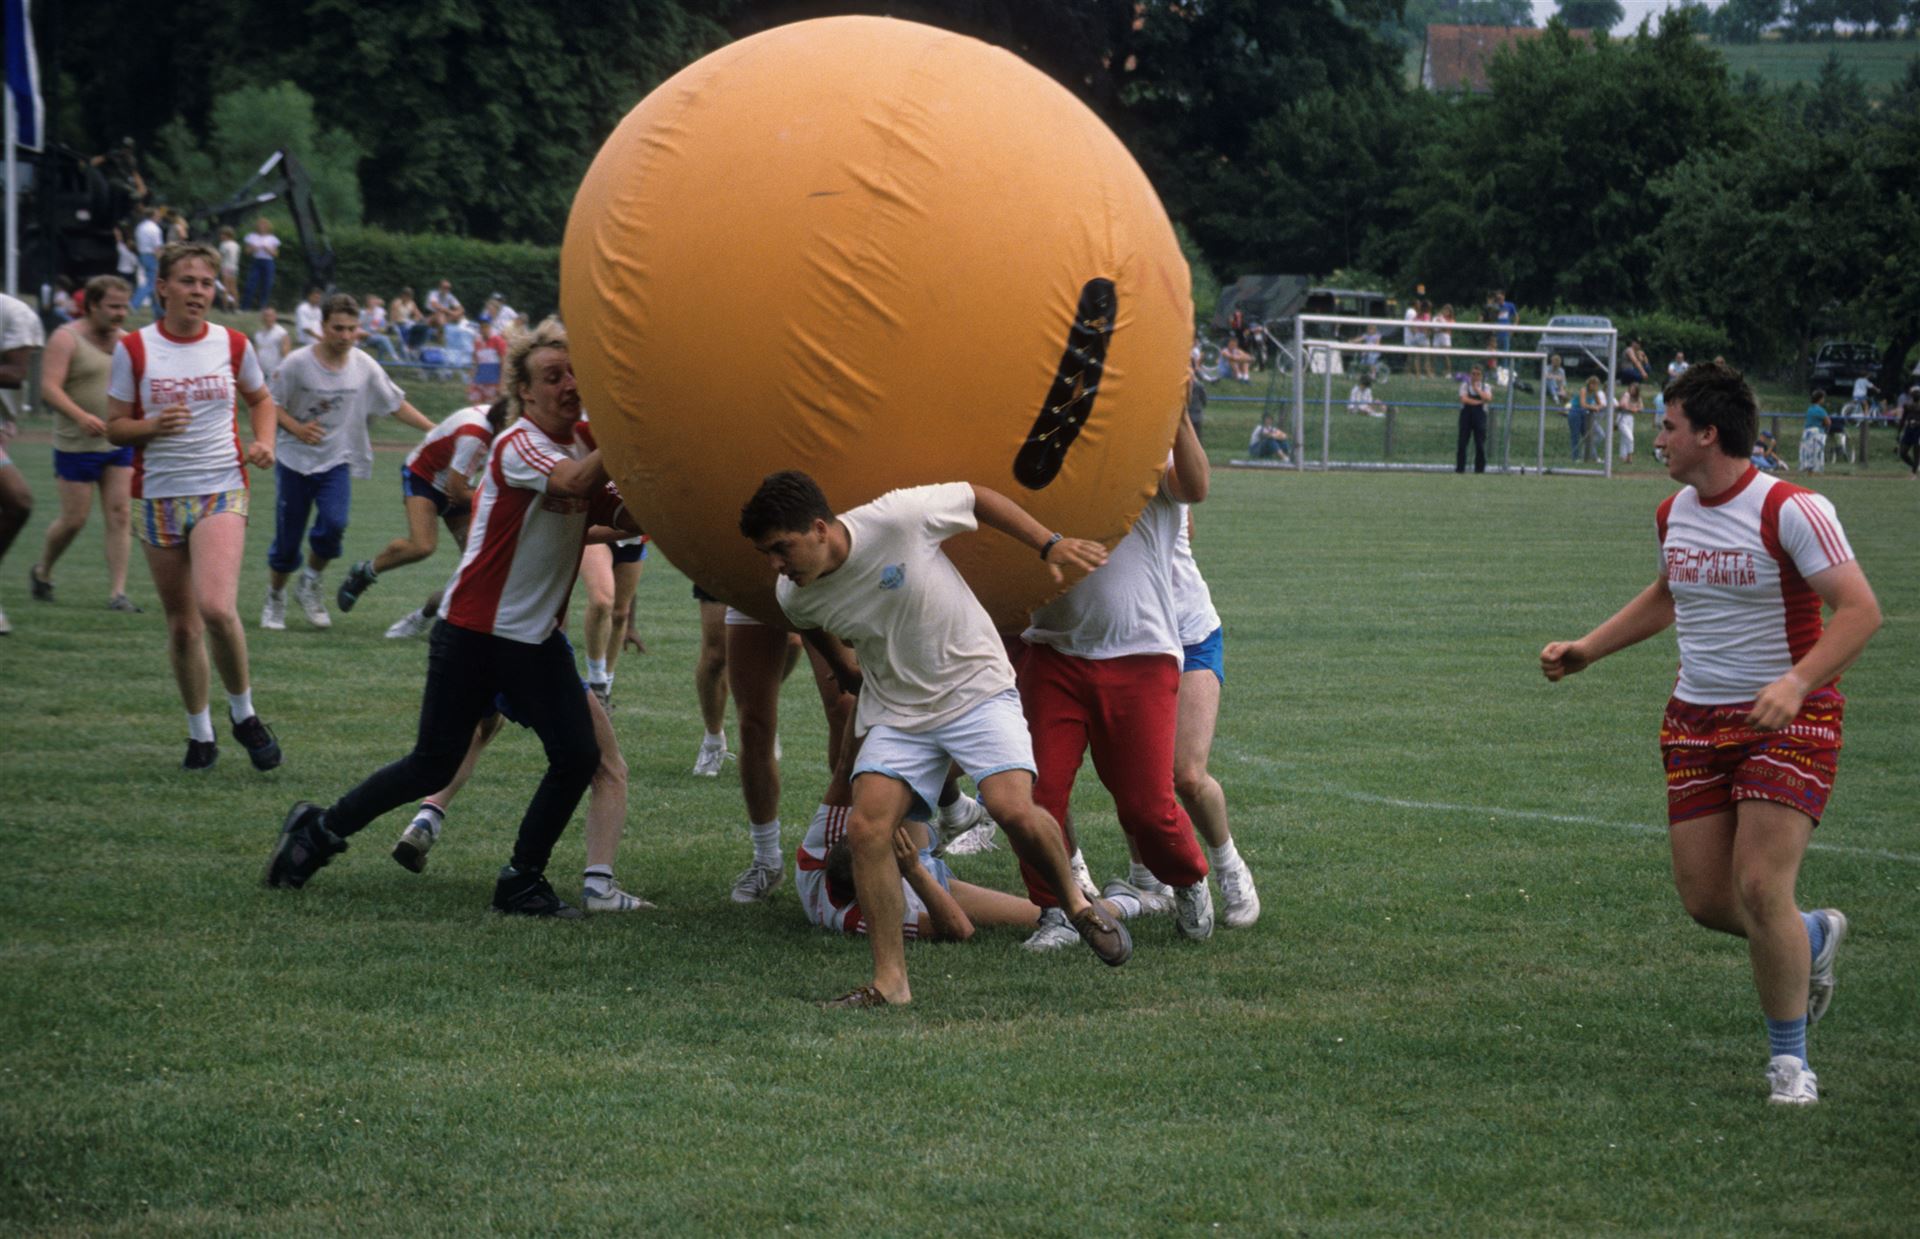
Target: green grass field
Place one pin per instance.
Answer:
(1880, 63)
(1473, 1004)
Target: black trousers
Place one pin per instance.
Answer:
(1473, 421)
(465, 670)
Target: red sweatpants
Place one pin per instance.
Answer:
(1124, 710)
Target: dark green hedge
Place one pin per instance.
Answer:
(370, 260)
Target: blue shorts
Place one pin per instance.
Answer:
(623, 554)
(88, 466)
(1207, 655)
(413, 486)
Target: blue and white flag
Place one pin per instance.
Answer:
(23, 76)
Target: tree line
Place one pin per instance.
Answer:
(1616, 175)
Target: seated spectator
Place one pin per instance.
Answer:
(308, 322)
(1238, 360)
(1360, 398)
(65, 307)
(408, 322)
(500, 314)
(373, 330)
(441, 301)
(1765, 457)
(1555, 378)
(1268, 441)
(1813, 438)
(457, 338)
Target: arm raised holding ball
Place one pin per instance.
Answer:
(995, 511)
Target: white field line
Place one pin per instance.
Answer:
(1569, 819)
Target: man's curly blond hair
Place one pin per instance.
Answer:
(521, 346)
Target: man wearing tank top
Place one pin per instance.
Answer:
(1751, 737)
(73, 382)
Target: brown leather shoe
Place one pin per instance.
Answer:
(856, 999)
(1108, 937)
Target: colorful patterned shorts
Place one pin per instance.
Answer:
(166, 523)
(1714, 759)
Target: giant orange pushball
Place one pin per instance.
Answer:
(887, 255)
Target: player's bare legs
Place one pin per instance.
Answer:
(186, 634)
(758, 660)
(1767, 849)
(1198, 713)
(710, 688)
(216, 546)
(607, 795)
(879, 805)
(1033, 834)
(423, 536)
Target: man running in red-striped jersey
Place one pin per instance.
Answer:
(1751, 738)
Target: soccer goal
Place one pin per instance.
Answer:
(1363, 397)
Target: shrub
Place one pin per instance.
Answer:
(371, 260)
(1663, 334)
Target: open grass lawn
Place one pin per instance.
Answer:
(1473, 1003)
(1880, 62)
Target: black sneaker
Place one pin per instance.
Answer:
(201, 754)
(359, 577)
(259, 741)
(42, 587)
(303, 849)
(530, 894)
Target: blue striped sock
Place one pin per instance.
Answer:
(1816, 930)
(1788, 1037)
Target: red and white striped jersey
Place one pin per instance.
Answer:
(456, 445)
(523, 548)
(152, 370)
(810, 879)
(1738, 566)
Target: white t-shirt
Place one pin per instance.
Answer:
(927, 647)
(523, 548)
(147, 238)
(1861, 388)
(456, 445)
(1125, 607)
(20, 327)
(342, 401)
(1738, 569)
(1192, 600)
(229, 255)
(262, 245)
(152, 370)
(271, 344)
(308, 324)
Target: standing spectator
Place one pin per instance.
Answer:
(309, 324)
(1473, 423)
(271, 342)
(1593, 408)
(1676, 367)
(1625, 409)
(127, 263)
(1910, 430)
(1421, 335)
(326, 395)
(263, 249)
(229, 268)
(148, 238)
(1504, 311)
(173, 395)
(21, 336)
(73, 383)
(1813, 439)
(1443, 338)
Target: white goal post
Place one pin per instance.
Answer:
(1317, 355)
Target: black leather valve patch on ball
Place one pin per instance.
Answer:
(1070, 400)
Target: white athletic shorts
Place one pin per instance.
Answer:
(989, 738)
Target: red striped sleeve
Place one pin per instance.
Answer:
(1831, 543)
(530, 452)
(1801, 606)
(136, 346)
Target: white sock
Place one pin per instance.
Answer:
(310, 575)
(1125, 906)
(1138, 873)
(766, 844)
(599, 879)
(1226, 856)
(714, 740)
(597, 670)
(433, 815)
(277, 594)
(961, 806)
(240, 705)
(200, 726)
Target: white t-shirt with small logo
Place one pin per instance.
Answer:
(341, 400)
(928, 649)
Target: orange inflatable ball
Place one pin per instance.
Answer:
(887, 255)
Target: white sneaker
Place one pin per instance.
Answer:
(1193, 911)
(1155, 899)
(968, 831)
(1153, 886)
(1791, 1082)
(1820, 984)
(416, 841)
(603, 689)
(273, 615)
(6, 626)
(613, 900)
(1077, 866)
(412, 624)
(306, 592)
(1054, 933)
(1238, 893)
(712, 757)
(756, 882)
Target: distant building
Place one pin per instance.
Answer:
(1456, 57)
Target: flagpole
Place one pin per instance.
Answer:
(13, 206)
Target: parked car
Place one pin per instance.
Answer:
(1840, 362)
(1581, 354)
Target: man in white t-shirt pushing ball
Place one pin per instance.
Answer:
(933, 680)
